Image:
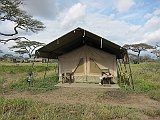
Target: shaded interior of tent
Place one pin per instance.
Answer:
(84, 54)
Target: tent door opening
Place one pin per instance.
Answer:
(85, 68)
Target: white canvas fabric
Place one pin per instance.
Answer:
(102, 60)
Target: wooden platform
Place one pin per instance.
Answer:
(88, 85)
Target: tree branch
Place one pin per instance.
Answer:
(13, 39)
(15, 30)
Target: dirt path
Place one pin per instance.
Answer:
(89, 96)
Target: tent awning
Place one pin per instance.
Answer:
(75, 39)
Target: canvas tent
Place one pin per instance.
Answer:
(83, 53)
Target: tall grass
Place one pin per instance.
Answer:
(20, 109)
(38, 84)
(2, 80)
(146, 78)
(19, 76)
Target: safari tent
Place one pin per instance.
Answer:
(85, 54)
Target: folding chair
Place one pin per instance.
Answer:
(67, 77)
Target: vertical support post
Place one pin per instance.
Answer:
(118, 66)
(130, 72)
(46, 68)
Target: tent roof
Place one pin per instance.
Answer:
(75, 39)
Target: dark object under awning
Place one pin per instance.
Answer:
(78, 38)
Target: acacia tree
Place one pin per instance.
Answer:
(26, 47)
(21, 52)
(7, 56)
(10, 11)
(138, 48)
(156, 51)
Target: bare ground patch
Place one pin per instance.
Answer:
(131, 100)
(89, 96)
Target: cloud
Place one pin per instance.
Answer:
(134, 28)
(151, 37)
(124, 5)
(157, 12)
(154, 14)
(75, 14)
(94, 6)
(148, 15)
(7, 27)
(151, 29)
(152, 24)
(107, 27)
(41, 8)
(100, 18)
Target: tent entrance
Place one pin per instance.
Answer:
(80, 67)
(86, 68)
(94, 68)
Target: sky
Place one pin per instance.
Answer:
(120, 21)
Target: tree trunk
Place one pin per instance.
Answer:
(30, 55)
(138, 57)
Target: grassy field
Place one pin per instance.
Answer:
(16, 76)
(107, 104)
(147, 78)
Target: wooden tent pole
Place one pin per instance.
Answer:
(47, 65)
(130, 72)
(118, 66)
(46, 68)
